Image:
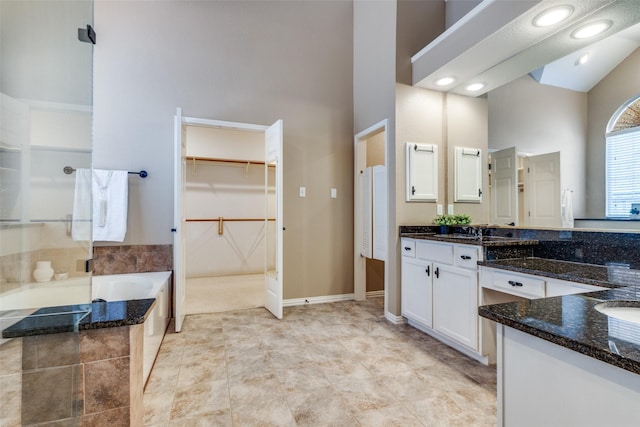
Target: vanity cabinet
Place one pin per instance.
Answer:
(530, 286)
(439, 291)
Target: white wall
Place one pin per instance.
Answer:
(244, 61)
(539, 119)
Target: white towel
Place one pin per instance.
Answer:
(567, 209)
(81, 225)
(110, 197)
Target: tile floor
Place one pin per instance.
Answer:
(224, 293)
(338, 364)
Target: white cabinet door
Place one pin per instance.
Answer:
(422, 172)
(455, 311)
(468, 175)
(416, 292)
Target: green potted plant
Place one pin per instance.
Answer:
(445, 221)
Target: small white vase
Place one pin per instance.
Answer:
(43, 271)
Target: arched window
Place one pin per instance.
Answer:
(623, 161)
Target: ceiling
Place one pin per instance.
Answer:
(496, 43)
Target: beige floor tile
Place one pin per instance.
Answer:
(339, 364)
(268, 412)
(318, 406)
(220, 418)
(201, 399)
(391, 416)
(365, 394)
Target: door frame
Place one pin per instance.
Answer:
(221, 124)
(359, 262)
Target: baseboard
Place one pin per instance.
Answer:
(396, 320)
(317, 300)
(375, 294)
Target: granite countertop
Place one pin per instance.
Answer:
(611, 276)
(468, 239)
(53, 320)
(572, 321)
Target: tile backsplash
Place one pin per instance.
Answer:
(132, 259)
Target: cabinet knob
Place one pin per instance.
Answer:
(407, 248)
(514, 283)
(465, 257)
(427, 270)
(437, 272)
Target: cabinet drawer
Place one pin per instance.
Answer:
(517, 284)
(435, 251)
(466, 256)
(408, 247)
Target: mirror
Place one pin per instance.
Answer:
(538, 118)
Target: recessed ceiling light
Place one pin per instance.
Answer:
(473, 87)
(444, 81)
(553, 16)
(591, 30)
(582, 59)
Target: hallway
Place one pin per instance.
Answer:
(337, 364)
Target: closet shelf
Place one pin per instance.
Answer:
(221, 160)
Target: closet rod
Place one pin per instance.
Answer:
(222, 220)
(218, 160)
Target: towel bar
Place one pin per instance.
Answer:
(69, 170)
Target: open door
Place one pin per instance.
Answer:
(504, 187)
(179, 172)
(542, 190)
(273, 277)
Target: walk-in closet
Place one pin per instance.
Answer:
(229, 207)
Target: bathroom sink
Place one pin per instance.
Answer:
(628, 311)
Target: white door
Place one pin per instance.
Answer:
(179, 177)
(273, 277)
(504, 187)
(542, 190)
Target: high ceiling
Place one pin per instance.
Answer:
(496, 43)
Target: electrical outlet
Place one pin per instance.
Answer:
(450, 209)
(438, 209)
(303, 192)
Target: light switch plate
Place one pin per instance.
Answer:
(303, 192)
(334, 193)
(438, 209)
(450, 209)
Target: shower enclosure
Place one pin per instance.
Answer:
(45, 125)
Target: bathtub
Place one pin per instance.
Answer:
(115, 287)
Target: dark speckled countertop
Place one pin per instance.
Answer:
(571, 321)
(53, 320)
(467, 239)
(609, 276)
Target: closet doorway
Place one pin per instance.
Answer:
(228, 244)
